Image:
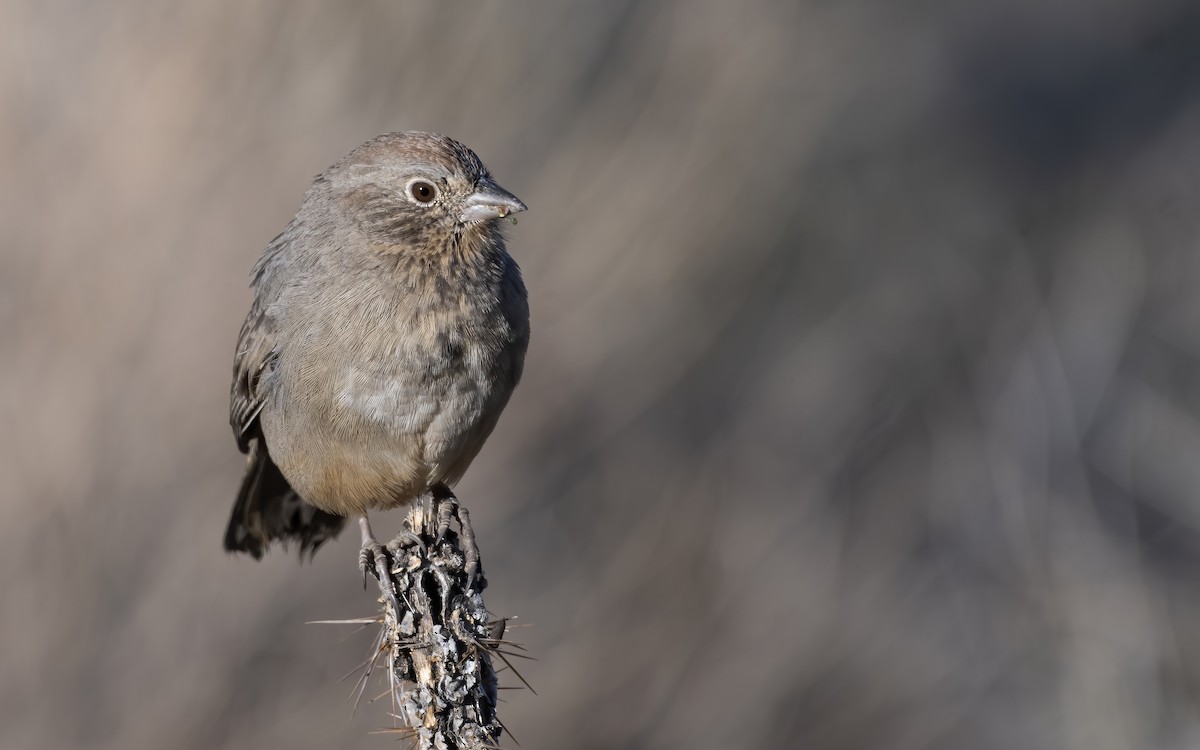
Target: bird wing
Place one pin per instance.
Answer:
(255, 355)
(256, 352)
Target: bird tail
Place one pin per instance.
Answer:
(268, 510)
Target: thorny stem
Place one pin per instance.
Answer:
(438, 647)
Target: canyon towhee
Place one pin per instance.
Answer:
(387, 332)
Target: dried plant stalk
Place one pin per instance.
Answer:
(437, 637)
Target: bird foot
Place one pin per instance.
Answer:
(373, 558)
(447, 507)
(376, 559)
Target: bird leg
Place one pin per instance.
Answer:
(374, 557)
(445, 507)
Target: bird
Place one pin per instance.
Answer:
(387, 331)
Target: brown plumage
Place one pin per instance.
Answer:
(387, 332)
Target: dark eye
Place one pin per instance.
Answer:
(422, 192)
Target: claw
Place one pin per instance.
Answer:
(470, 548)
(408, 538)
(446, 507)
(366, 559)
(374, 557)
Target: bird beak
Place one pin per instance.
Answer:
(490, 201)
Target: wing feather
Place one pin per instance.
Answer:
(256, 352)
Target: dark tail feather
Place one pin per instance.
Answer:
(268, 510)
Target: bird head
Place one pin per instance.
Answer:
(419, 191)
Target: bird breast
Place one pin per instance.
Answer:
(406, 384)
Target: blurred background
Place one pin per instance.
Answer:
(862, 408)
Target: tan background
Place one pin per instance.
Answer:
(861, 409)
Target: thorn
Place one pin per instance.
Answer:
(514, 671)
(515, 656)
(376, 649)
(385, 692)
(492, 643)
(355, 621)
(506, 729)
(394, 730)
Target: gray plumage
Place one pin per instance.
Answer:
(386, 335)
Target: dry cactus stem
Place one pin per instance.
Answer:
(437, 637)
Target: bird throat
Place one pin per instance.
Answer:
(465, 259)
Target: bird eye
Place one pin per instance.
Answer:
(422, 192)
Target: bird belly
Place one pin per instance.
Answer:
(385, 438)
